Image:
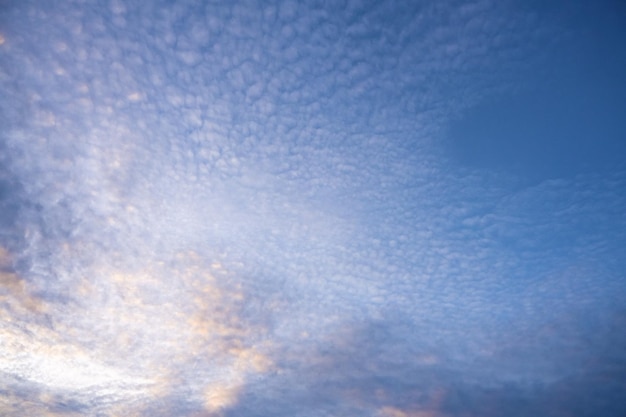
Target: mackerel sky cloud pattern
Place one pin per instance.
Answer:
(311, 208)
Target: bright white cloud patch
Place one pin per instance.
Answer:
(251, 209)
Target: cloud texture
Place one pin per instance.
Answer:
(250, 208)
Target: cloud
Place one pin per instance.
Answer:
(246, 209)
(102, 343)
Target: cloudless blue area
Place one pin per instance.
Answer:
(567, 116)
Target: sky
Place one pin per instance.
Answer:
(312, 208)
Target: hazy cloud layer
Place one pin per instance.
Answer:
(251, 209)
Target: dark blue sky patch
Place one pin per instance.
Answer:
(566, 115)
(558, 130)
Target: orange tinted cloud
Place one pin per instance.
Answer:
(141, 328)
(15, 291)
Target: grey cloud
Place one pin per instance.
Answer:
(10, 204)
(389, 365)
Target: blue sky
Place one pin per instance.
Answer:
(280, 208)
